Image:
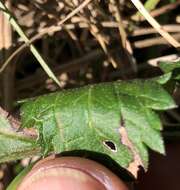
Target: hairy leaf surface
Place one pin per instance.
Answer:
(116, 119)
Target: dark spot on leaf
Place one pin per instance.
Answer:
(111, 145)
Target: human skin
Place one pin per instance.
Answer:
(70, 173)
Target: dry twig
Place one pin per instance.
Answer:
(155, 24)
(48, 30)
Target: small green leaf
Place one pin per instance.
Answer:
(91, 119)
(171, 67)
(163, 79)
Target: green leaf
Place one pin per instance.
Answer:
(151, 4)
(116, 119)
(163, 79)
(171, 67)
(14, 145)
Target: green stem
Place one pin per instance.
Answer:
(18, 179)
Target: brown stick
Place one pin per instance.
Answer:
(157, 12)
(169, 38)
(165, 9)
(146, 31)
(8, 74)
(153, 41)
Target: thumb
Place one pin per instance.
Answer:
(70, 173)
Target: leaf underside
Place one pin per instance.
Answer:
(14, 145)
(91, 118)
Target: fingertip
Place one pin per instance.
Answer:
(71, 173)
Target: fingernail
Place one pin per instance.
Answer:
(69, 173)
(61, 178)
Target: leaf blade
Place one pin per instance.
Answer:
(90, 118)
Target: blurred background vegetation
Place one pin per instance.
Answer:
(107, 40)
